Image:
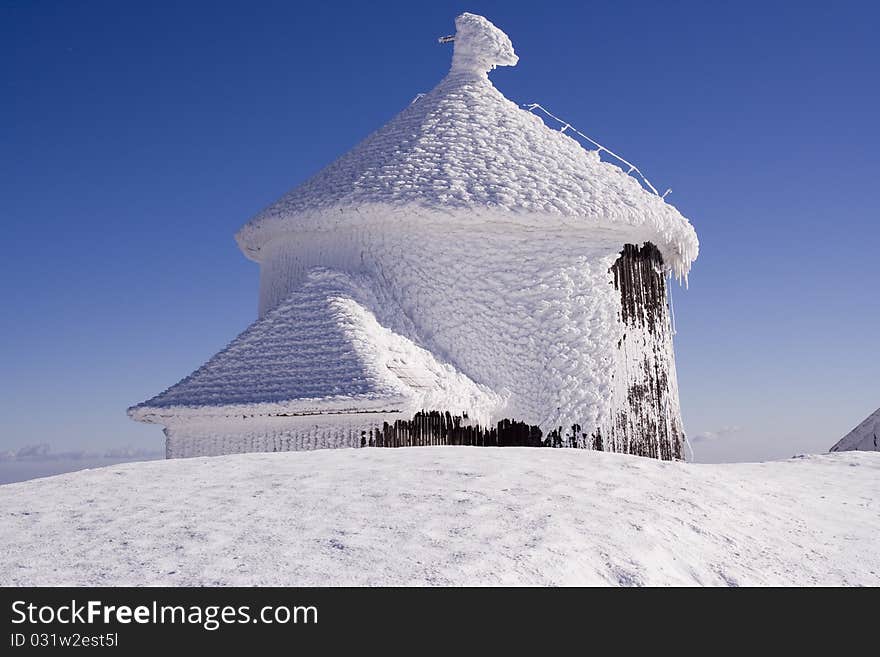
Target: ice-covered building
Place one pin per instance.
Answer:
(464, 275)
(865, 437)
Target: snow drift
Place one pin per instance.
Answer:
(447, 516)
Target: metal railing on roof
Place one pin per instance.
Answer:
(600, 148)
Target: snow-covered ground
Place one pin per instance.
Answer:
(446, 516)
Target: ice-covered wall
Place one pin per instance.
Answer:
(239, 435)
(558, 324)
(287, 262)
(529, 313)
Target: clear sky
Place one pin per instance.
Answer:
(137, 137)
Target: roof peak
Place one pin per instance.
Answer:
(465, 153)
(480, 46)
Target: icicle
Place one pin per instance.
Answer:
(690, 448)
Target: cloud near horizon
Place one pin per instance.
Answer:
(723, 432)
(43, 452)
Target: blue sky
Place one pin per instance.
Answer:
(137, 137)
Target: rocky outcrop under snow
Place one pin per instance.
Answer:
(865, 437)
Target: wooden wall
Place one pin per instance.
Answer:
(436, 428)
(646, 416)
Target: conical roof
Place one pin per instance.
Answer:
(463, 152)
(321, 351)
(864, 437)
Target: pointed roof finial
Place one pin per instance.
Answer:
(480, 46)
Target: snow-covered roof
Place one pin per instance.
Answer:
(864, 437)
(464, 152)
(321, 351)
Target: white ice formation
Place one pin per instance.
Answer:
(458, 259)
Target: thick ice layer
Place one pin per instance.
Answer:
(480, 46)
(463, 153)
(321, 350)
(215, 436)
(529, 314)
(446, 516)
(476, 244)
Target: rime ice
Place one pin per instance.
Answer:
(480, 46)
(465, 258)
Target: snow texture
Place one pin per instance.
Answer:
(447, 516)
(866, 436)
(321, 349)
(526, 340)
(206, 435)
(465, 154)
(457, 259)
(480, 46)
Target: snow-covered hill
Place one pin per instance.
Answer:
(446, 515)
